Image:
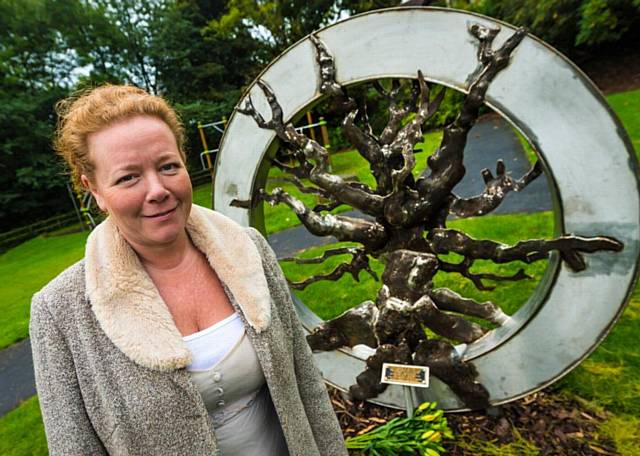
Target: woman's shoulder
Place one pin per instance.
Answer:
(66, 287)
(257, 237)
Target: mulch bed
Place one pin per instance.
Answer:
(615, 71)
(555, 425)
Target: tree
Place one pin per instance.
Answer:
(276, 25)
(566, 24)
(34, 70)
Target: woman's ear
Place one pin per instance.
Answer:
(88, 185)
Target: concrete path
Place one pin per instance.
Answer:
(490, 140)
(17, 381)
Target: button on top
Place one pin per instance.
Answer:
(217, 376)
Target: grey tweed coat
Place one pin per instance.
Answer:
(110, 362)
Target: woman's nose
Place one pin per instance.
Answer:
(156, 190)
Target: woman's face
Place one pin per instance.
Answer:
(140, 180)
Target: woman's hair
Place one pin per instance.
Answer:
(92, 110)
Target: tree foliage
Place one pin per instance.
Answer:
(567, 24)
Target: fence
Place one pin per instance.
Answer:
(202, 176)
(10, 238)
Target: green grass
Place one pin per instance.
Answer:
(519, 447)
(611, 375)
(27, 268)
(202, 195)
(627, 106)
(624, 432)
(22, 431)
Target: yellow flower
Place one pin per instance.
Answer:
(435, 437)
(427, 435)
(432, 416)
(424, 406)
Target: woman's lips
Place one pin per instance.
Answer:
(161, 215)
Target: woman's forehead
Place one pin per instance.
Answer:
(132, 136)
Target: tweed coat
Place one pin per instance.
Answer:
(110, 362)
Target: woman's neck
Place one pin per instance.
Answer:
(167, 258)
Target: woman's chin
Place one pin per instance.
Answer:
(162, 236)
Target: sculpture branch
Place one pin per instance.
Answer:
(301, 171)
(326, 254)
(411, 134)
(446, 299)
(364, 140)
(327, 70)
(445, 167)
(362, 199)
(477, 279)
(327, 207)
(570, 248)
(305, 189)
(369, 148)
(371, 234)
(396, 112)
(359, 262)
(396, 316)
(495, 191)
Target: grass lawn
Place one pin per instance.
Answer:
(202, 195)
(608, 379)
(627, 106)
(22, 432)
(27, 268)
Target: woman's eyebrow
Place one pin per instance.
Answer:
(125, 167)
(167, 156)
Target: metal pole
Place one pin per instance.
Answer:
(204, 144)
(310, 122)
(408, 400)
(324, 132)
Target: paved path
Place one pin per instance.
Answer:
(17, 382)
(489, 140)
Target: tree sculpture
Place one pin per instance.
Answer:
(407, 227)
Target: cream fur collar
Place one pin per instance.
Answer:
(129, 308)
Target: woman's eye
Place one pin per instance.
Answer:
(127, 178)
(169, 167)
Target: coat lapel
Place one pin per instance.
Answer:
(129, 308)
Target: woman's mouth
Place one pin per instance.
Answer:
(161, 215)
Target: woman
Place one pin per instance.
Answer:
(176, 333)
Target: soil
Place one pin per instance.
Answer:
(614, 69)
(555, 425)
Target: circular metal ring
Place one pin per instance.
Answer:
(560, 112)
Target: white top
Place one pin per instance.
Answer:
(210, 345)
(234, 391)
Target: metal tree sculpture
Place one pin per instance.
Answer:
(407, 225)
